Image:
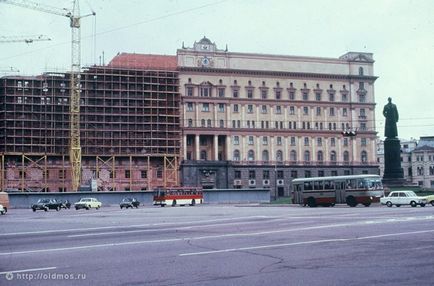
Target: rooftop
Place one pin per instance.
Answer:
(143, 61)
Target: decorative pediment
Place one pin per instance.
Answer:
(358, 57)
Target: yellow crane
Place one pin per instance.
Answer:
(74, 107)
(25, 39)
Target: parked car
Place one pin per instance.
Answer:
(129, 203)
(66, 204)
(47, 204)
(430, 199)
(4, 200)
(87, 203)
(2, 210)
(399, 198)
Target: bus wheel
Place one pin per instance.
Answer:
(367, 204)
(173, 203)
(193, 202)
(311, 202)
(351, 201)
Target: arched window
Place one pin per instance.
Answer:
(293, 155)
(209, 123)
(346, 156)
(306, 156)
(265, 155)
(190, 123)
(222, 123)
(202, 122)
(279, 156)
(203, 155)
(320, 156)
(333, 156)
(251, 155)
(360, 71)
(236, 155)
(364, 156)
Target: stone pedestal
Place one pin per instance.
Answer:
(393, 173)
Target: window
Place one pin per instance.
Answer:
(361, 85)
(331, 97)
(292, 141)
(360, 71)
(264, 94)
(344, 112)
(249, 93)
(346, 156)
(221, 92)
(202, 123)
(222, 123)
(305, 110)
(333, 156)
(189, 106)
(307, 174)
(333, 142)
(364, 156)
(279, 140)
(278, 94)
(318, 96)
(279, 156)
(205, 91)
(205, 107)
(320, 156)
(306, 156)
(306, 141)
(305, 96)
(319, 141)
(221, 107)
(363, 126)
(362, 113)
(250, 108)
(190, 123)
(280, 174)
(237, 174)
(189, 91)
(235, 107)
(251, 141)
(235, 93)
(236, 140)
(251, 155)
(291, 110)
(265, 156)
(318, 111)
(264, 109)
(236, 156)
(266, 174)
(332, 111)
(209, 124)
(252, 174)
(363, 142)
(61, 174)
(294, 174)
(278, 109)
(265, 140)
(345, 142)
(127, 174)
(292, 95)
(293, 156)
(144, 174)
(203, 155)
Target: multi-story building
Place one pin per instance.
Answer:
(256, 120)
(130, 127)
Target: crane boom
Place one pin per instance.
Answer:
(74, 107)
(25, 39)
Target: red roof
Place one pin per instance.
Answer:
(141, 61)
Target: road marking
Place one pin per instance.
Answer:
(301, 243)
(28, 270)
(172, 228)
(128, 226)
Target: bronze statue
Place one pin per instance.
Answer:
(391, 113)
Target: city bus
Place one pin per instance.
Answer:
(328, 191)
(178, 196)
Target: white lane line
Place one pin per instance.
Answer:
(129, 226)
(172, 228)
(28, 270)
(301, 243)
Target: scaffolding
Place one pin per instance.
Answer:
(129, 121)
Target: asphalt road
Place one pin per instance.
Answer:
(219, 245)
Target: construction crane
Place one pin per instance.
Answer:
(74, 107)
(25, 39)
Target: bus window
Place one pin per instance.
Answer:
(329, 185)
(308, 186)
(318, 185)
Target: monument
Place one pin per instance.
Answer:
(393, 173)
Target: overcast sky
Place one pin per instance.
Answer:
(400, 34)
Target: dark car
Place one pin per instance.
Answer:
(66, 204)
(47, 204)
(129, 203)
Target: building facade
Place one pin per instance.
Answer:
(417, 161)
(255, 120)
(130, 127)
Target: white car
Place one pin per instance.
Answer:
(399, 198)
(87, 203)
(2, 210)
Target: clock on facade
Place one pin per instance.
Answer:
(205, 61)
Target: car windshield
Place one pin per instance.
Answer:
(127, 200)
(411, 194)
(84, 200)
(43, 201)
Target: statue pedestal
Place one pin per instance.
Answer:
(393, 173)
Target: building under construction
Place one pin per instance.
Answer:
(129, 127)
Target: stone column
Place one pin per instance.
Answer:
(216, 147)
(197, 146)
